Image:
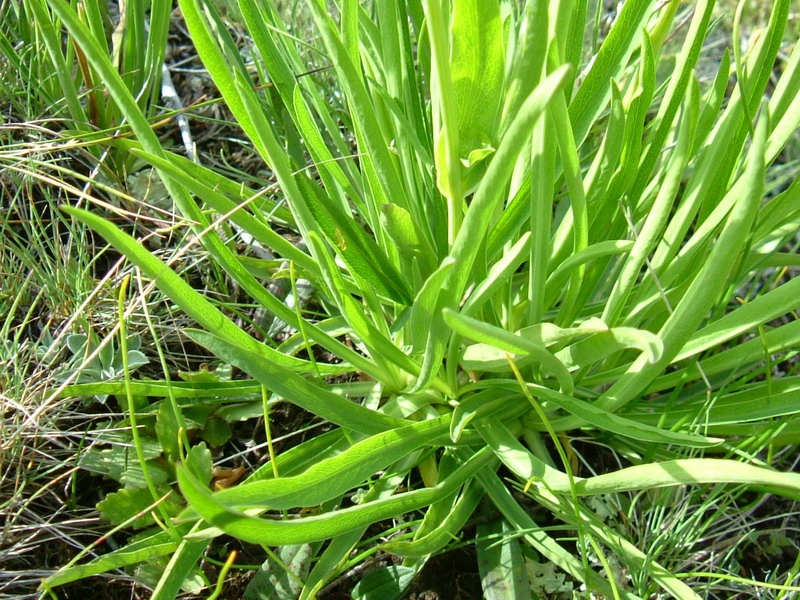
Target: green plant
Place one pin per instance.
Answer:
(107, 364)
(510, 242)
(58, 83)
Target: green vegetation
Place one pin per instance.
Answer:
(533, 277)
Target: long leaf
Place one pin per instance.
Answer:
(324, 526)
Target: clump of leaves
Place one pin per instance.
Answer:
(106, 364)
(528, 244)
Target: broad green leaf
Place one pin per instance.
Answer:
(490, 192)
(301, 457)
(199, 461)
(519, 459)
(376, 341)
(444, 110)
(120, 506)
(595, 91)
(530, 58)
(273, 582)
(762, 309)
(498, 274)
(133, 476)
(386, 583)
(400, 227)
(216, 432)
(500, 563)
(235, 390)
(740, 357)
(326, 525)
(478, 406)
(167, 431)
(778, 398)
(485, 357)
(595, 348)
(425, 310)
(477, 63)
(331, 477)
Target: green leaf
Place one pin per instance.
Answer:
(216, 432)
(445, 531)
(697, 300)
(623, 426)
(222, 390)
(477, 68)
(386, 583)
(142, 550)
(199, 461)
(133, 475)
(762, 309)
(424, 313)
(282, 575)
(326, 525)
(508, 342)
(519, 518)
(756, 402)
(359, 251)
(595, 91)
(167, 430)
(500, 563)
(233, 210)
(688, 471)
(498, 274)
(489, 194)
(478, 406)
(180, 292)
(604, 343)
(400, 227)
(331, 477)
(118, 507)
(182, 570)
(484, 357)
